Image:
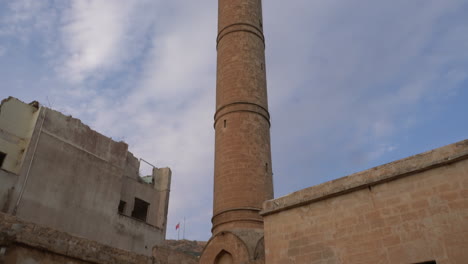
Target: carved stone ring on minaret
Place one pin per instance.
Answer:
(242, 169)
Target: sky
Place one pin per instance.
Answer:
(352, 84)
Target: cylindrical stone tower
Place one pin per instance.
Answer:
(243, 176)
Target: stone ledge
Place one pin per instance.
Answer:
(15, 231)
(377, 175)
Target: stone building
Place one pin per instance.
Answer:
(413, 210)
(57, 172)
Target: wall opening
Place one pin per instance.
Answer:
(2, 158)
(225, 123)
(122, 205)
(140, 209)
(224, 257)
(427, 262)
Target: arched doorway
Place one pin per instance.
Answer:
(224, 257)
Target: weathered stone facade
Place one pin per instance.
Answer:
(413, 210)
(61, 174)
(28, 243)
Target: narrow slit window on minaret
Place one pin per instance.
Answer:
(2, 158)
(225, 123)
(266, 167)
(262, 66)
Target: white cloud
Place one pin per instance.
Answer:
(100, 35)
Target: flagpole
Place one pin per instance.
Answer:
(178, 232)
(183, 234)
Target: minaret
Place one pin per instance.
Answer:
(242, 176)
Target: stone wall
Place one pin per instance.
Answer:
(73, 178)
(27, 243)
(8, 181)
(17, 121)
(409, 211)
(23, 242)
(165, 255)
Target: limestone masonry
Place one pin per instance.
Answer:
(242, 174)
(414, 210)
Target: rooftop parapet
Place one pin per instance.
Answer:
(371, 177)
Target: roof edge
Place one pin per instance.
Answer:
(371, 177)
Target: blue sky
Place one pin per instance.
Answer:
(352, 84)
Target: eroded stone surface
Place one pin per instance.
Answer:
(24, 240)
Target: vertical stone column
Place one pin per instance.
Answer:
(242, 176)
(162, 183)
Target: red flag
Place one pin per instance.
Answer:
(177, 226)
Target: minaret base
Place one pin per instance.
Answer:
(237, 246)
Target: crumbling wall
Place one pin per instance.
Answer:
(410, 211)
(75, 184)
(132, 189)
(17, 121)
(165, 255)
(20, 254)
(7, 186)
(156, 193)
(27, 243)
(23, 242)
(74, 181)
(132, 166)
(162, 184)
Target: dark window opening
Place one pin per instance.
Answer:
(140, 209)
(427, 262)
(266, 167)
(2, 158)
(122, 205)
(225, 123)
(262, 66)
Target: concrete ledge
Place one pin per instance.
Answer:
(365, 179)
(15, 231)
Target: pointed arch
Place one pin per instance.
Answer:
(224, 257)
(225, 242)
(260, 249)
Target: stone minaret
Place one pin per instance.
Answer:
(243, 177)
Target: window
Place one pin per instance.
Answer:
(2, 158)
(122, 205)
(140, 209)
(427, 262)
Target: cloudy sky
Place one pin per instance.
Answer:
(352, 83)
